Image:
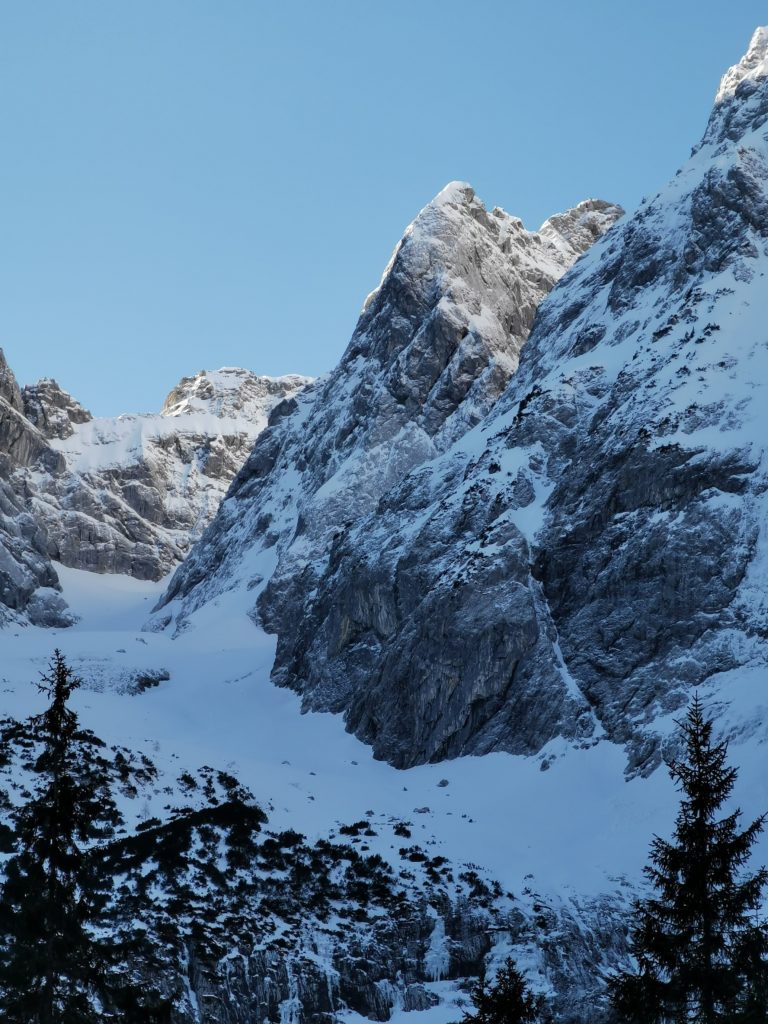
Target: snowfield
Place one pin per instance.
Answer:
(564, 825)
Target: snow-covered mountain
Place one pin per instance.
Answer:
(128, 494)
(588, 553)
(468, 543)
(435, 347)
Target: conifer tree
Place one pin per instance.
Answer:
(54, 967)
(507, 1001)
(701, 951)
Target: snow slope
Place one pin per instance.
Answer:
(564, 830)
(220, 707)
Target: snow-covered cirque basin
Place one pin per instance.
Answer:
(576, 829)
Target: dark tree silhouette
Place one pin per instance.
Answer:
(701, 952)
(507, 1001)
(54, 967)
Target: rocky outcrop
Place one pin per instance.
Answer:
(139, 490)
(54, 412)
(436, 345)
(126, 495)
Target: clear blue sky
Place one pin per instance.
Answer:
(190, 184)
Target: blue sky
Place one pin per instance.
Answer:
(191, 184)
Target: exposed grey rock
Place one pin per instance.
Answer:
(20, 440)
(9, 388)
(28, 583)
(54, 412)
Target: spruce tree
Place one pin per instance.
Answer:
(701, 952)
(54, 966)
(507, 1001)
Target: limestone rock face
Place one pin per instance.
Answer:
(28, 583)
(127, 494)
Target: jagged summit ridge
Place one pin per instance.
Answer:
(740, 105)
(230, 392)
(574, 231)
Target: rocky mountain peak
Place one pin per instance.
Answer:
(741, 102)
(52, 410)
(229, 391)
(574, 231)
(454, 307)
(9, 388)
(435, 346)
(752, 66)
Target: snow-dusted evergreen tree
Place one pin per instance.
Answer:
(55, 968)
(701, 950)
(507, 1001)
